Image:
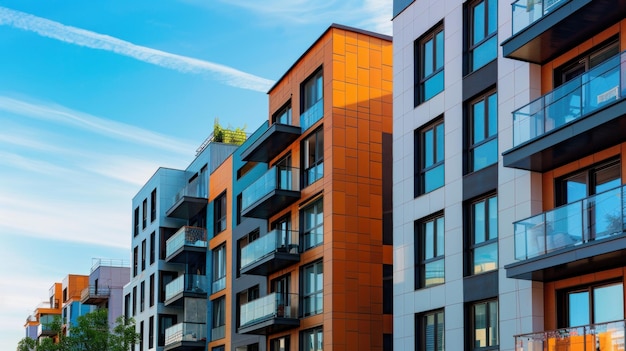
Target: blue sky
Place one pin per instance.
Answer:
(95, 95)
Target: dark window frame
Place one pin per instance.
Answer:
(153, 205)
(275, 346)
(422, 334)
(312, 331)
(421, 77)
(136, 220)
(318, 269)
(421, 152)
(143, 255)
(562, 308)
(151, 332)
(471, 47)
(420, 245)
(473, 145)
(151, 292)
(317, 206)
(285, 110)
(144, 213)
(220, 210)
(313, 80)
(313, 158)
(152, 247)
(487, 240)
(488, 326)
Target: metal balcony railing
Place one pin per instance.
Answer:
(186, 236)
(573, 100)
(93, 291)
(276, 240)
(593, 218)
(594, 337)
(527, 12)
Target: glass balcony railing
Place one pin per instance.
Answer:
(185, 332)
(593, 218)
(186, 236)
(526, 12)
(594, 337)
(312, 115)
(276, 178)
(186, 283)
(273, 241)
(218, 332)
(195, 188)
(578, 97)
(274, 305)
(218, 285)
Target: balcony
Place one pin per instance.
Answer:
(602, 336)
(186, 336)
(190, 200)
(187, 285)
(574, 120)
(46, 325)
(272, 252)
(271, 314)
(578, 238)
(95, 295)
(278, 188)
(186, 240)
(271, 143)
(312, 115)
(545, 29)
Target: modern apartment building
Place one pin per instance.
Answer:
(106, 287)
(320, 203)
(508, 205)
(168, 289)
(37, 324)
(72, 287)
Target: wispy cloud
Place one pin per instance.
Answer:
(82, 37)
(102, 126)
(374, 15)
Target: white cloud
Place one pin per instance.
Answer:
(81, 37)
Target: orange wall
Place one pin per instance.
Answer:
(357, 74)
(75, 285)
(220, 181)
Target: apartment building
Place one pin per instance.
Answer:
(318, 192)
(71, 306)
(508, 206)
(106, 287)
(37, 324)
(168, 289)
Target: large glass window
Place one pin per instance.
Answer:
(429, 65)
(142, 301)
(152, 247)
(484, 235)
(219, 268)
(483, 45)
(153, 205)
(313, 157)
(429, 244)
(280, 344)
(430, 329)
(144, 211)
(219, 318)
(592, 304)
(312, 224)
(484, 317)
(483, 137)
(220, 213)
(430, 148)
(151, 292)
(143, 255)
(135, 260)
(283, 116)
(313, 339)
(313, 285)
(136, 222)
(165, 321)
(312, 91)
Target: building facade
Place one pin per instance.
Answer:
(508, 207)
(106, 287)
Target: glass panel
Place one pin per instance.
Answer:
(439, 140)
(607, 178)
(433, 86)
(440, 236)
(478, 121)
(428, 58)
(480, 325)
(434, 273)
(479, 222)
(493, 218)
(429, 245)
(492, 16)
(439, 48)
(578, 308)
(479, 22)
(485, 155)
(493, 324)
(428, 148)
(433, 179)
(564, 226)
(606, 213)
(576, 187)
(485, 53)
(492, 118)
(608, 303)
(485, 258)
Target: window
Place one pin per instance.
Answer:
(283, 116)
(246, 296)
(483, 229)
(142, 301)
(313, 287)
(143, 255)
(239, 207)
(312, 106)
(219, 317)
(312, 224)
(220, 213)
(483, 43)
(136, 222)
(280, 286)
(429, 244)
(484, 318)
(134, 300)
(313, 339)
(165, 321)
(144, 209)
(430, 151)
(127, 307)
(483, 136)
(600, 186)
(141, 336)
(591, 59)
(429, 65)
(219, 268)
(594, 304)
(387, 289)
(151, 332)
(153, 201)
(284, 173)
(243, 242)
(313, 157)
(165, 278)
(135, 260)
(430, 329)
(280, 344)
(282, 226)
(151, 290)
(152, 247)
